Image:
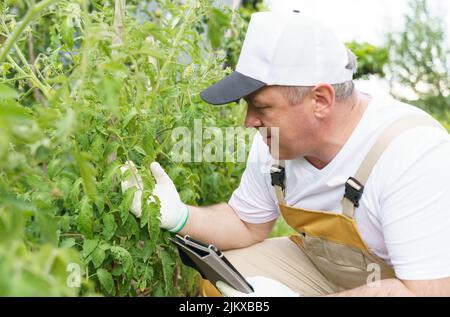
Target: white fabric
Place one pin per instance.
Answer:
(288, 48)
(262, 287)
(173, 212)
(404, 213)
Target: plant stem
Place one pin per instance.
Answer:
(119, 22)
(32, 77)
(36, 82)
(177, 39)
(37, 94)
(31, 14)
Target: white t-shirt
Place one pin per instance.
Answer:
(404, 213)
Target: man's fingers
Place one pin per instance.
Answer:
(158, 172)
(227, 290)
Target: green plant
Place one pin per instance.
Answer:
(371, 59)
(419, 59)
(98, 88)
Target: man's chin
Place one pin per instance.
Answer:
(279, 154)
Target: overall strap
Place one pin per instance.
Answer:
(278, 177)
(354, 187)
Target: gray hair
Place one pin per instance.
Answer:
(295, 94)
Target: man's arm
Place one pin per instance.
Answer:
(397, 287)
(221, 226)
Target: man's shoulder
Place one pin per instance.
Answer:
(386, 106)
(417, 151)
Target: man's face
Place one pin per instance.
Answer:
(268, 108)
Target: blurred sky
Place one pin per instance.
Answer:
(361, 20)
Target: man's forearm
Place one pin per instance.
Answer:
(219, 225)
(385, 288)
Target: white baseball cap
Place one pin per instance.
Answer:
(283, 48)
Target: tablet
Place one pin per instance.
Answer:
(210, 262)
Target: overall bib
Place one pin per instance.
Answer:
(331, 240)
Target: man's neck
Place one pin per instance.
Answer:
(339, 130)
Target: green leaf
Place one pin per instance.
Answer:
(149, 272)
(106, 280)
(6, 92)
(108, 90)
(217, 24)
(85, 218)
(98, 256)
(48, 228)
(144, 215)
(115, 67)
(98, 147)
(132, 228)
(124, 257)
(167, 265)
(140, 150)
(152, 51)
(151, 212)
(13, 112)
(54, 167)
(66, 124)
(75, 191)
(109, 226)
(149, 144)
(154, 222)
(68, 243)
(67, 31)
(87, 173)
(88, 247)
(128, 197)
(129, 117)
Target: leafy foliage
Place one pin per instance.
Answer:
(85, 87)
(371, 59)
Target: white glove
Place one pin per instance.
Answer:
(262, 286)
(173, 212)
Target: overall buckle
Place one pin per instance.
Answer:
(277, 174)
(353, 191)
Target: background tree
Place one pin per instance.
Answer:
(419, 59)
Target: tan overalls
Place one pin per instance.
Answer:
(329, 254)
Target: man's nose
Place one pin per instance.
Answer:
(251, 119)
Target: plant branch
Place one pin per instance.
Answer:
(37, 94)
(30, 16)
(36, 82)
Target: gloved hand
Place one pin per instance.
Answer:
(173, 212)
(262, 286)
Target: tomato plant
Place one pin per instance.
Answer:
(85, 86)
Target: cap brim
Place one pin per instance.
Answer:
(231, 88)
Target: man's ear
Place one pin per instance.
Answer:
(324, 98)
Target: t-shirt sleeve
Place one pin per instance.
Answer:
(254, 200)
(415, 206)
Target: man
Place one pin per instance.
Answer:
(364, 180)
